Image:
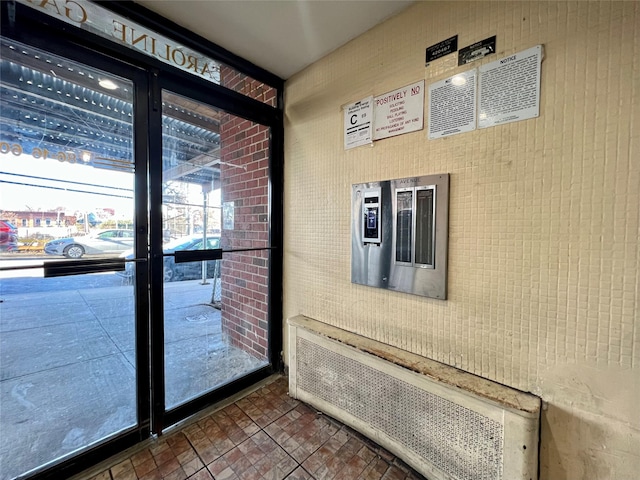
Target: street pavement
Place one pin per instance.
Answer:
(67, 370)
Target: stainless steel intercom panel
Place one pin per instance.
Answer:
(371, 220)
(399, 234)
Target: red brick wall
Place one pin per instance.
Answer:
(244, 174)
(240, 83)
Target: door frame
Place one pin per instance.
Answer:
(241, 106)
(142, 429)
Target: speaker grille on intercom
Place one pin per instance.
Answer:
(459, 442)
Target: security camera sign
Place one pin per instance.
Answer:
(358, 119)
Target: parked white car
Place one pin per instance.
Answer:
(106, 242)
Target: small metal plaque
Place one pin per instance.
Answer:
(477, 50)
(442, 49)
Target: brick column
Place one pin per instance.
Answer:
(244, 155)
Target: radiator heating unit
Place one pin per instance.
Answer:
(447, 424)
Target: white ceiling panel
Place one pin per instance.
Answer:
(281, 36)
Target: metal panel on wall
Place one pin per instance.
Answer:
(399, 235)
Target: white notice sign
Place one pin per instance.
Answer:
(509, 89)
(358, 119)
(452, 105)
(400, 111)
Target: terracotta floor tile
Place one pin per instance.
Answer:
(164, 457)
(141, 457)
(102, 476)
(251, 452)
(375, 470)
(192, 466)
(350, 448)
(270, 469)
(186, 457)
(336, 442)
(227, 474)
(354, 467)
(145, 467)
(366, 454)
(265, 443)
(257, 457)
(317, 460)
(301, 454)
(218, 466)
(169, 466)
(277, 433)
(196, 436)
(152, 475)
(394, 473)
(334, 465)
(385, 454)
(178, 443)
(240, 464)
(301, 432)
(122, 469)
(127, 475)
(266, 435)
(268, 403)
(203, 474)
(300, 474)
(409, 472)
(209, 453)
(178, 474)
(159, 447)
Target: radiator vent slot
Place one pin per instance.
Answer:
(458, 441)
(445, 423)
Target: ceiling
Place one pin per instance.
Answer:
(281, 36)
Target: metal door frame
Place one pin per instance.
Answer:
(142, 428)
(23, 24)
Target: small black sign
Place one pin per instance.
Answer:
(442, 48)
(477, 51)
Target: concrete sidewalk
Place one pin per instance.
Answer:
(67, 370)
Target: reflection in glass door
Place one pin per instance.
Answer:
(68, 363)
(215, 196)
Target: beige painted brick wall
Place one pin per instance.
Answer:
(544, 217)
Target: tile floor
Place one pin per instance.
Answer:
(265, 435)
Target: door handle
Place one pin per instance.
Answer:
(183, 256)
(64, 268)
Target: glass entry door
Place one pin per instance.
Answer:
(215, 256)
(135, 255)
(69, 372)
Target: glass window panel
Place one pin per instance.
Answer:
(211, 339)
(425, 226)
(215, 311)
(67, 375)
(404, 225)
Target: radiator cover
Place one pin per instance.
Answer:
(445, 423)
